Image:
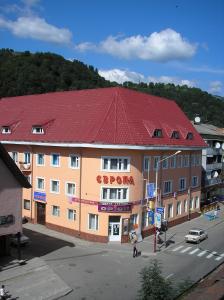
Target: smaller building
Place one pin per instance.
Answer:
(212, 161)
(11, 185)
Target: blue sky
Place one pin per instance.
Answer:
(178, 41)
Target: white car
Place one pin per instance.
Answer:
(24, 240)
(196, 235)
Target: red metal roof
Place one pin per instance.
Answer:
(99, 116)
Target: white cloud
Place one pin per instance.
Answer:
(160, 46)
(37, 28)
(121, 76)
(216, 87)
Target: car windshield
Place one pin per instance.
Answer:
(193, 232)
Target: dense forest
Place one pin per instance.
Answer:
(24, 73)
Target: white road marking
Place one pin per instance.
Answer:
(185, 250)
(170, 275)
(211, 254)
(178, 248)
(202, 253)
(194, 251)
(220, 257)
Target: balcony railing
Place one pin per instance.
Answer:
(25, 167)
(214, 166)
(212, 181)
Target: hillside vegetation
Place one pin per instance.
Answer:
(24, 73)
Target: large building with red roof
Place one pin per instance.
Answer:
(91, 154)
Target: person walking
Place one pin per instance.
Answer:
(134, 242)
(2, 293)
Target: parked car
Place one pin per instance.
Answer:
(24, 240)
(196, 235)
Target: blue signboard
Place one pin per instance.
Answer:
(150, 190)
(39, 196)
(151, 217)
(160, 210)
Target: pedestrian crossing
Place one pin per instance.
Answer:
(198, 252)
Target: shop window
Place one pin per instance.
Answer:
(93, 222)
(170, 210)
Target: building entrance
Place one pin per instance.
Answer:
(114, 228)
(41, 213)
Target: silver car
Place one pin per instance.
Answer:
(196, 235)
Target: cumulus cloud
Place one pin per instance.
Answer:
(216, 87)
(120, 76)
(160, 46)
(37, 28)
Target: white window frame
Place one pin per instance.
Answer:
(57, 209)
(52, 165)
(170, 212)
(180, 185)
(185, 161)
(37, 130)
(6, 130)
(77, 161)
(155, 160)
(96, 217)
(171, 186)
(27, 155)
(37, 159)
(173, 162)
(14, 156)
(121, 188)
(165, 162)
(193, 160)
(43, 180)
(73, 211)
(180, 161)
(178, 208)
(146, 162)
(51, 191)
(122, 158)
(192, 181)
(66, 188)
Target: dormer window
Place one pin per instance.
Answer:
(37, 130)
(6, 130)
(189, 136)
(175, 135)
(157, 133)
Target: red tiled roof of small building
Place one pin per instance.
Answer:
(116, 116)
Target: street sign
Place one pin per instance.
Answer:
(150, 190)
(158, 220)
(160, 210)
(151, 217)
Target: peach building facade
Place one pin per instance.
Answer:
(90, 179)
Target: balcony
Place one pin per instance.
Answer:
(212, 181)
(25, 167)
(214, 166)
(213, 151)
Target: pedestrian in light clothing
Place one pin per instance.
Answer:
(134, 242)
(2, 293)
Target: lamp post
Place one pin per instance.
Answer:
(156, 191)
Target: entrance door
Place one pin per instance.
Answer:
(114, 229)
(41, 212)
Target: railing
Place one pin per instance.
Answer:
(213, 166)
(25, 167)
(212, 181)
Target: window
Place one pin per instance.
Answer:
(93, 222)
(145, 219)
(170, 210)
(194, 181)
(193, 160)
(26, 204)
(167, 187)
(70, 189)
(175, 135)
(146, 163)
(173, 162)
(180, 161)
(6, 130)
(15, 156)
(182, 184)
(116, 163)
(37, 130)
(40, 159)
(115, 194)
(156, 159)
(27, 157)
(185, 206)
(186, 161)
(197, 202)
(54, 186)
(55, 211)
(71, 214)
(55, 160)
(40, 183)
(73, 161)
(165, 163)
(198, 160)
(192, 203)
(178, 208)
(189, 136)
(157, 133)
(133, 221)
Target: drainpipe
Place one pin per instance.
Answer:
(80, 192)
(189, 187)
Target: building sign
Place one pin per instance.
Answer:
(113, 179)
(151, 217)
(6, 220)
(114, 207)
(38, 196)
(150, 190)
(160, 210)
(158, 220)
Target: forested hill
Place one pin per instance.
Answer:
(24, 73)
